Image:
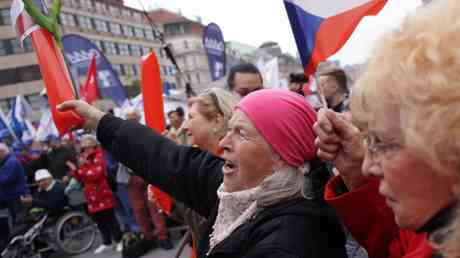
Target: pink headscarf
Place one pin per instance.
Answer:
(285, 120)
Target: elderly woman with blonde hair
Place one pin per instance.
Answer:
(399, 163)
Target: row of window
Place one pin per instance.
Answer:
(12, 46)
(21, 74)
(102, 8)
(69, 19)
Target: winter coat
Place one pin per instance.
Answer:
(292, 228)
(93, 174)
(372, 223)
(53, 200)
(12, 179)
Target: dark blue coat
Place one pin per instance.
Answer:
(12, 179)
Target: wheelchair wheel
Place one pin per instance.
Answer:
(75, 232)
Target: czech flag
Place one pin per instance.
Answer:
(322, 27)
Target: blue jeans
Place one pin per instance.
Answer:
(124, 210)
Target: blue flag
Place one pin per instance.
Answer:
(79, 51)
(214, 46)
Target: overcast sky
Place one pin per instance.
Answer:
(257, 21)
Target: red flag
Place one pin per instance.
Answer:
(90, 91)
(152, 93)
(52, 66)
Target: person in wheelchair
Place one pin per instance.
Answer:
(50, 196)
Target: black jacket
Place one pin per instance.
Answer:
(55, 161)
(295, 228)
(53, 200)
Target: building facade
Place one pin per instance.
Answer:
(121, 33)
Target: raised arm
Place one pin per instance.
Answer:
(188, 174)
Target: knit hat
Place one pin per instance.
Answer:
(285, 120)
(42, 174)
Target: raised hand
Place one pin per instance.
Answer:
(90, 114)
(340, 142)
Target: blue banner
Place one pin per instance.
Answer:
(214, 46)
(79, 52)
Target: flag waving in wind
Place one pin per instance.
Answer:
(89, 92)
(321, 28)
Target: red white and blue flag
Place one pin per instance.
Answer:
(322, 27)
(23, 24)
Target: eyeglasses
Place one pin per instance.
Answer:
(378, 148)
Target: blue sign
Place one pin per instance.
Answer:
(214, 46)
(79, 52)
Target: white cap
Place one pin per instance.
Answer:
(42, 174)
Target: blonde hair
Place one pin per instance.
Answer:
(214, 102)
(417, 68)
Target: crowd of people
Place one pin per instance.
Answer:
(260, 172)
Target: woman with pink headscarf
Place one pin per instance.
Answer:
(254, 196)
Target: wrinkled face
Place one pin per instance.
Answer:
(199, 129)
(248, 157)
(245, 83)
(175, 120)
(412, 188)
(45, 183)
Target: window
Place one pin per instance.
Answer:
(174, 29)
(164, 70)
(27, 44)
(101, 25)
(84, 22)
(86, 3)
(126, 13)
(17, 75)
(136, 69)
(5, 48)
(115, 28)
(128, 31)
(172, 70)
(129, 70)
(160, 52)
(123, 49)
(137, 16)
(117, 68)
(114, 10)
(198, 78)
(149, 34)
(15, 47)
(136, 50)
(5, 18)
(173, 85)
(146, 50)
(139, 32)
(100, 7)
(98, 44)
(110, 48)
(185, 44)
(68, 19)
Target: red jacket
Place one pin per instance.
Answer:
(93, 174)
(372, 223)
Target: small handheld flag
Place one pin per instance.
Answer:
(321, 28)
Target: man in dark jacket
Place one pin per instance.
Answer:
(50, 195)
(253, 198)
(54, 159)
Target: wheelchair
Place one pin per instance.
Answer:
(70, 232)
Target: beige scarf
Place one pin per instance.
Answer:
(238, 207)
